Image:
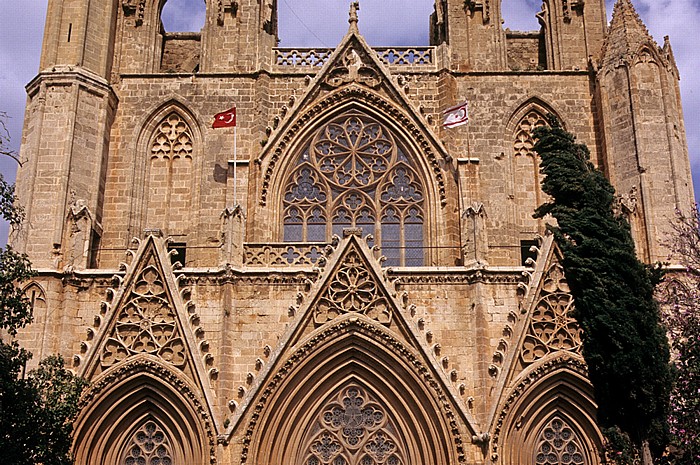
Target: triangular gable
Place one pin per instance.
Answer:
(352, 291)
(150, 314)
(354, 72)
(545, 327)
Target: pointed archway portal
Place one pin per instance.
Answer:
(360, 398)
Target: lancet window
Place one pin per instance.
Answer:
(170, 175)
(354, 174)
(526, 171)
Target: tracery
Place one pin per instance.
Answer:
(353, 429)
(558, 444)
(149, 445)
(354, 174)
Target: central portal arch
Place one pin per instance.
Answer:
(359, 397)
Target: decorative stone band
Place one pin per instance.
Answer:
(283, 255)
(403, 57)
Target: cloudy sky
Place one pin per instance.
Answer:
(307, 23)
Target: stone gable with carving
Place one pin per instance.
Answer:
(146, 323)
(339, 280)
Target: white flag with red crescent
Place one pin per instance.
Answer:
(456, 116)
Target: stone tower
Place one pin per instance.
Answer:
(359, 284)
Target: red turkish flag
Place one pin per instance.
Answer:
(226, 119)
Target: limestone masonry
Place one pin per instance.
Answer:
(360, 285)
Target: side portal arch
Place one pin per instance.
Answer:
(142, 412)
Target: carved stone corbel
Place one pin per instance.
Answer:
(78, 233)
(135, 8)
(480, 5)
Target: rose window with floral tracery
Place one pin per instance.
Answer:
(558, 444)
(353, 174)
(148, 446)
(353, 429)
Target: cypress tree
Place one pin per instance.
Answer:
(624, 343)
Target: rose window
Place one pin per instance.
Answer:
(354, 174)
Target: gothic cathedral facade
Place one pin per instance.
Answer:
(355, 284)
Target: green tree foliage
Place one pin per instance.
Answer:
(682, 300)
(624, 343)
(36, 410)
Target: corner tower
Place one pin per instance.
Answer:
(473, 32)
(239, 35)
(646, 156)
(70, 110)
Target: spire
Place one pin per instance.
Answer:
(354, 8)
(626, 35)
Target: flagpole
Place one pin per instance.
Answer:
(235, 160)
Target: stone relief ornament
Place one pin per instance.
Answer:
(353, 430)
(552, 328)
(353, 289)
(146, 323)
(354, 70)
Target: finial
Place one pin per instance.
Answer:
(354, 8)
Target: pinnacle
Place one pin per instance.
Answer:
(627, 33)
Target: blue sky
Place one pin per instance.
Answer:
(308, 23)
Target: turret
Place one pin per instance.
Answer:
(573, 30)
(645, 149)
(65, 145)
(473, 32)
(239, 35)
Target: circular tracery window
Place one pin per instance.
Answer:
(148, 446)
(353, 174)
(558, 444)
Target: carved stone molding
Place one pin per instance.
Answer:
(144, 366)
(386, 340)
(372, 100)
(561, 362)
(134, 8)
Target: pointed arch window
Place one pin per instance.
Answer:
(353, 429)
(170, 173)
(354, 174)
(526, 170)
(558, 444)
(149, 445)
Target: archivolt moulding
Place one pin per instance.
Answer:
(124, 391)
(353, 337)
